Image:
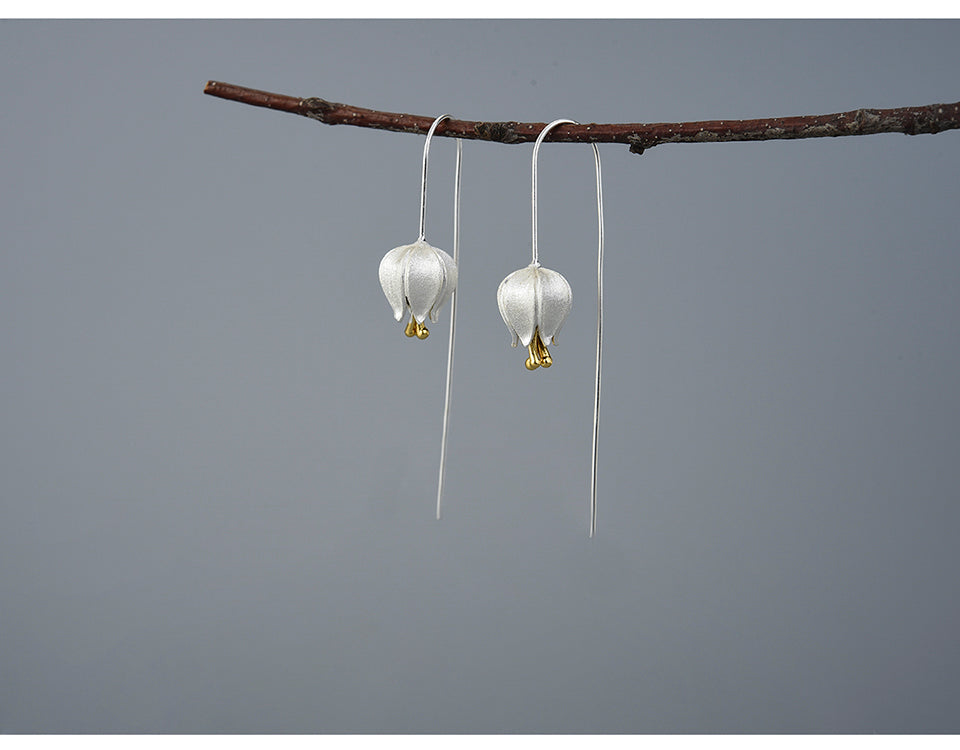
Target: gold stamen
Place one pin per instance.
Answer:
(416, 329)
(411, 329)
(545, 359)
(539, 356)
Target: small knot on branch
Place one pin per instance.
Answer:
(638, 145)
(502, 132)
(317, 108)
(923, 120)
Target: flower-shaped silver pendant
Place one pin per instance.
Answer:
(534, 302)
(417, 279)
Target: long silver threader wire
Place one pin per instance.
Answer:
(536, 261)
(453, 299)
(596, 402)
(453, 322)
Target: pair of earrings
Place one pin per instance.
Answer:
(534, 302)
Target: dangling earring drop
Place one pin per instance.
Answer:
(534, 303)
(418, 279)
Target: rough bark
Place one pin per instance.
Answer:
(932, 118)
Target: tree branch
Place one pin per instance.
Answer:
(932, 118)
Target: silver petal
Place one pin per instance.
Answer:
(555, 299)
(517, 300)
(424, 276)
(391, 278)
(449, 285)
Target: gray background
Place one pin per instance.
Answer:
(219, 451)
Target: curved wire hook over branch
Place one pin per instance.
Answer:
(533, 188)
(536, 262)
(423, 179)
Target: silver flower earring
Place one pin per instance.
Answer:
(534, 303)
(419, 279)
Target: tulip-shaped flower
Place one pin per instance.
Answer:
(534, 302)
(418, 279)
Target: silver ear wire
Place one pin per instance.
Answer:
(504, 298)
(423, 178)
(453, 322)
(453, 296)
(533, 180)
(417, 279)
(596, 401)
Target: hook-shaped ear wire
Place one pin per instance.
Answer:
(423, 178)
(534, 302)
(453, 322)
(419, 279)
(453, 296)
(600, 242)
(533, 180)
(596, 401)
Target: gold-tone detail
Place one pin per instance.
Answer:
(545, 359)
(416, 329)
(539, 356)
